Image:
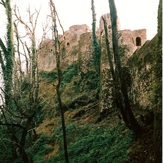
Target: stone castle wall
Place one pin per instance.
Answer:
(69, 48)
(77, 46)
(77, 41)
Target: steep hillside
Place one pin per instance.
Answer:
(102, 137)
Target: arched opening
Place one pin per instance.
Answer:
(68, 44)
(138, 41)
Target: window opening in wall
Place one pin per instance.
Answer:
(68, 44)
(138, 41)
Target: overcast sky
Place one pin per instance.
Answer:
(133, 14)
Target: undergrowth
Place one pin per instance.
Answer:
(86, 144)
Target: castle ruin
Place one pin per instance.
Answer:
(77, 43)
(77, 47)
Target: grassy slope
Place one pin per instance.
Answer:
(90, 138)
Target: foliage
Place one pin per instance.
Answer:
(75, 87)
(90, 144)
(49, 75)
(40, 148)
(67, 74)
(5, 146)
(70, 72)
(95, 43)
(86, 144)
(81, 90)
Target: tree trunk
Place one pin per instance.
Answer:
(57, 53)
(115, 80)
(8, 55)
(95, 43)
(127, 112)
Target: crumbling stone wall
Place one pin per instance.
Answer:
(73, 44)
(85, 51)
(69, 49)
(129, 41)
(46, 59)
(77, 46)
(142, 75)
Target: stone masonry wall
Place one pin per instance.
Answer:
(73, 43)
(77, 46)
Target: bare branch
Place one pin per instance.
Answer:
(60, 23)
(3, 3)
(21, 20)
(37, 14)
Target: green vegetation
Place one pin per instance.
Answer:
(70, 72)
(30, 124)
(49, 75)
(86, 143)
(76, 89)
(67, 74)
(95, 43)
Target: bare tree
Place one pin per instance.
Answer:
(57, 52)
(21, 91)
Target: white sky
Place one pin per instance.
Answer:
(133, 14)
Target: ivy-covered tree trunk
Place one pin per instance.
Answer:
(113, 73)
(6, 63)
(126, 111)
(96, 45)
(20, 106)
(57, 54)
(8, 55)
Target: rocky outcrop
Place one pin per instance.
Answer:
(142, 74)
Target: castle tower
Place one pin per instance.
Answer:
(107, 17)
